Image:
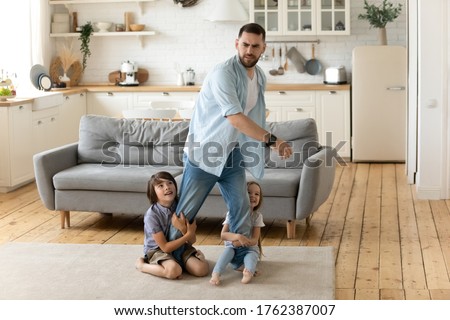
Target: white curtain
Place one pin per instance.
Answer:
(25, 40)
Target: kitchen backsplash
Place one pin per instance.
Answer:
(184, 36)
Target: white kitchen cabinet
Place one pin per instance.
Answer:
(330, 109)
(290, 105)
(45, 129)
(333, 17)
(143, 99)
(16, 164)
(71, 111)
(302, 17)
(109, 104)
(333, 120)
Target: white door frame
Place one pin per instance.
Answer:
(412, 45)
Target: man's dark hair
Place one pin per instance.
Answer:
(253, 28)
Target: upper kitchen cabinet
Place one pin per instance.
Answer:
(302, 17)
(333, 17)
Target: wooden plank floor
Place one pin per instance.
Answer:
(388, 244)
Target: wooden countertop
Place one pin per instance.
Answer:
(15, 102)
(157, 88)
(167, 88)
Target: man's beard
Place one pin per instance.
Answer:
(250, 64)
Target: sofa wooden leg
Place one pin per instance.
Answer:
(65, 218)
(290, 228)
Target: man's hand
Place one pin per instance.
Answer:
(180, 222)
(283, 148)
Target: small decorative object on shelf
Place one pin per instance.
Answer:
(7, 90)
(86, 31)
(67, 58)
(379, 16)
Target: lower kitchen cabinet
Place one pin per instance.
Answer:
(290, 105)
(109, 103)
(16, 140)
(71, 111)
(143, 99)
(46, 129)
(333, 120)
(330, 109)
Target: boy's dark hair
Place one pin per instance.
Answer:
(253, 28)
(158, 178)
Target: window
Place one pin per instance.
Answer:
(22, 40)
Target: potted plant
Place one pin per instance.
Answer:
(379, 16)
(85, 36)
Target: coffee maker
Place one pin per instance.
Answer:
(129, 68)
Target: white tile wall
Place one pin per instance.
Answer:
(185, 37)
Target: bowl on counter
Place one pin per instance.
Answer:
(137, 27)
(103, 26)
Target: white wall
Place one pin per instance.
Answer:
(185, 37)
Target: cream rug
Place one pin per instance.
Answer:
(90, 271)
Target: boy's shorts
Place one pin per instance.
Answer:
(156, 256)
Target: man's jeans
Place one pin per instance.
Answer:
(197, 184)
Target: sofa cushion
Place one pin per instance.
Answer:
(276, 182)
(303, 137)
(131, 141)
(90, 176)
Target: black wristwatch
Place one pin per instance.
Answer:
(272, 140)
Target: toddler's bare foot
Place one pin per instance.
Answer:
(257, 273)
(215, 279)
(246, 276)
(139, 263)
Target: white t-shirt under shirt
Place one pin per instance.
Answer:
(252, 93)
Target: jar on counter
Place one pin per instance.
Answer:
(120, 27)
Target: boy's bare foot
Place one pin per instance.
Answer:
(215, 279)
(139, 263)
(246, 276)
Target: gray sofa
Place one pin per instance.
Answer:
(108, 169)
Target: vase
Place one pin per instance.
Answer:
(382, 38)
(65, 79)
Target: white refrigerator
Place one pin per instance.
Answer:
(379, 78)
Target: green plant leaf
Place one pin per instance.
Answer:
(85, 37)
(379, 16)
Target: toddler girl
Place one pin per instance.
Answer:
(241, 251)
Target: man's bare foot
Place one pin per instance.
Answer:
(246, 276)
(139, 263)
(215, 279)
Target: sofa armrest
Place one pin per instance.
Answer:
(47, 164)
(316, 182)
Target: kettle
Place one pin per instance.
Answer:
(189, 77)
